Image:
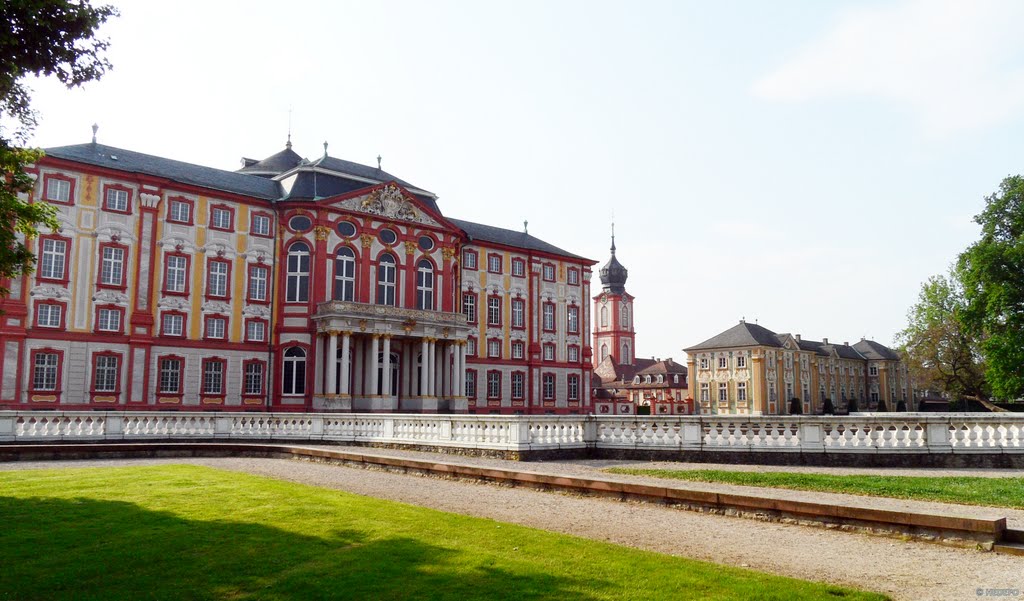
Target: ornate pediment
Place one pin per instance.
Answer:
(389, 202)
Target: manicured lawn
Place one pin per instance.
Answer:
(190, 532)
(994, 492)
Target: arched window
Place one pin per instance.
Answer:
(345, 275)
(604, 351)
(386, 280)
(293, 380)
(625, 317)
(604, 317)
(625, 353)
(297, 290)
(425, 285)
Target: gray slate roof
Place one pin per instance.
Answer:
(185, 173)
(358, 170)
(274, 164)
(741, 334)
(498, 235)
(873, 350)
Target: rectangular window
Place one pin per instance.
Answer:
(518, 313)
(723, 362)
(176, 274)
(58, 190)
(574, 354)
(518, 267)
(548, 386)
(255, 331)
(494, 384)
(549, 352)
(549, 273)
(518, 379)
(469, 306)
(179, 211)
(108, 320)
(260, 225)
(116, 200)
(216, 327)
(471, 347)
(173, 324)
(53, 259)
(105, 376)
(574, 388)
(741, 391)
(573, 314)
(494, 348)
(258, 277)
(469, 259)
(253, 379)
(112, 266)
(48, 316)
(573, 276)
(170, 376)
(549, 317)
(471, 383)
(705, 392)
(220, 218)
(517, 349)
(44, 371)
(873, 370)
(493, 311)
(213, 376)
(723, 391)
(741, 362)
(494, 263)
(217, 278)
(703, 363)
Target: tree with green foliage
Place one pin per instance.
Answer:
(992, 273)
(40, 38)
(940, 352)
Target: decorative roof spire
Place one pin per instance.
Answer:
(378, 161)
(95, 128)
(526, 226)
(613, 238)
(325, 149)
(288, 144)
(613, 274)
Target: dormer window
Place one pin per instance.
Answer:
(636, 379)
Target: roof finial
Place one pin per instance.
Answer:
(288, 144)
(325, 149)
(95, 128)
(378, 161)
(526, 226)
(613, 238)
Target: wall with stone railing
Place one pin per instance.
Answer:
(887, 433)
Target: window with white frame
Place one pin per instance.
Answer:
(573, 354)
(518, 267)
(549, 273)
(54, 255)
(494, 310)
(704, 363)
(48, 316)
(297, 280)
(471, 347)
(573, 277)
(518, 348)
(548, 386)
(293, 381)
(469, 259)
(573, 387)
(471, 384)
(625, 316)
(493, 384)
(518, 313)
(494, 348)
(425, 285)
(116, 200)
(44, 371)
(255, 331)
(518, 379)
(253, 379)
(549, 352)
(386, 278)
(217, 279)
(173, 324)
(469, 306)
(549, 316)
(112, 266)
(705, 391)
(345, 275)
(723, 362)
(179, 211)
(108, 320)
(58, 190)
(494, 263)
(220, 218)
(741, 361)
(604, 317)
(573, 319)
(177, 273)
(216, 327)
(723, 392)
(105, 376)
(260, 227)
(170, 376)
(872, 370)
(258, 277)
(213, 377)
(741, 391)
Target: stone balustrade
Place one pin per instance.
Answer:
(891, 433)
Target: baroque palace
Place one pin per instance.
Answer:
(287, 285)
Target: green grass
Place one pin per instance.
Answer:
(190, 532)
(993, 492)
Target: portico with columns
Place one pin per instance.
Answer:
(389, 359)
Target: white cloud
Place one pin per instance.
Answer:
(957, 65)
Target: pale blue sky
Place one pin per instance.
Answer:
(804, 164)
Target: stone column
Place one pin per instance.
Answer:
(431, 367)
(345, 341)
(446, 369)
(460, 368)
(332, 362)
(374, 363)
(385, 387)
(424, 367)
(357, 366)
(403, 386)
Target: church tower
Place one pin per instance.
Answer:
(613, 315)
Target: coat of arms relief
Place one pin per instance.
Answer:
(389, 202)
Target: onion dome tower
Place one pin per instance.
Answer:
(614, 335)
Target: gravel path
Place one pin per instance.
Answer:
(904, 570)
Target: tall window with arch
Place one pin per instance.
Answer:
(345, 275)
(604, 317)
(293, 379)
(386, 274)
(604, 352)
(625, 352)
(297, 284)
(425, 285)
(625, 316)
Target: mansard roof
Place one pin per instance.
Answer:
(498, 235)
(741, 334)
(275, 164)
(110, 157)
(873, 350)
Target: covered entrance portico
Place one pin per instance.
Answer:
(388, 359)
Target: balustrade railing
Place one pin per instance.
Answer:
(858, 433)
